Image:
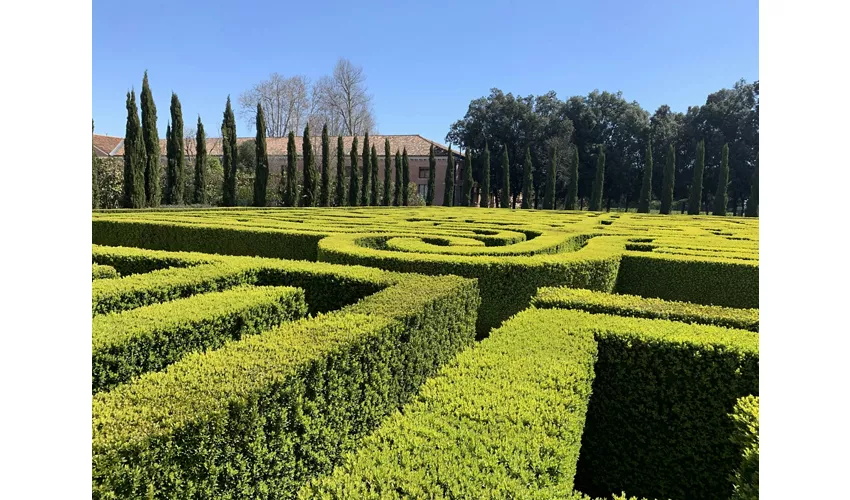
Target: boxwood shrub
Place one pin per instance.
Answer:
(640, 307)
(745, 417)
(259, 417)
(127, 344)
(102, 272)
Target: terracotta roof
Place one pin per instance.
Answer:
(276, 146)
(107, 145)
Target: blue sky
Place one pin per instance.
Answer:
(424, 61)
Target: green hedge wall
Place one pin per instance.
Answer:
(207, 238)
(503, 420)
(149, 338)
(261, 416)
(129, 260)
(640, 307)
(745, 417)
(658, 424)
(102, 272)
(715, 282)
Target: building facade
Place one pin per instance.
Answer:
(417, 151)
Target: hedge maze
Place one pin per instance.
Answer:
(423, 353)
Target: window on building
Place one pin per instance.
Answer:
(422, 189)
(423, 172)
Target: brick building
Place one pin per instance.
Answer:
(417, 152)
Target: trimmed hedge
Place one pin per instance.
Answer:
(262, 415)
(632, 305)
(102, 272)
(657, 424)
(166, 284)
(149, 338)
(745, 417)
(208, 238)
(129, 261)
(503, 420)
(719, 282)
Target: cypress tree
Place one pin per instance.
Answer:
(432, 177)
(405, 177)
(695, 199)
(261, 171)
(449, 193)
(200, 194)
(310, 194)
(505, 198)
(341, 198)
(527, 180)
(467, 179)
(289, 180)
(572, 187)
(367, 166)
(178, 180)
(398, 179)
(94, 190)
(721, 198)
(388, 187)
(669, 181)
(325, 195)
(753, 201)
(551, 177)
(151, 138)
(134, 158)
(228, 142)
(646, 186)
(354, 188)
(598, 183)
(485, 178)
(373, 199)
(170, 166)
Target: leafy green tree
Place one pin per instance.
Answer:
(367, 166)
(177, 177)
(505, 196)
(485, 178)
(261, 171)
(200, 194)
(373, 199)
(695, 199)
(572, 188)
(753, 200)
(325, 195)
(432, 177)
(721, 198)
(290, 195)
(405, 177)
(527, 180)
(467, 179)
(598, 183)
(151, 138)
(134, 158)
(230, 156)
(398, 179)
(646, 185)
(341, 198)
(669, 181)
(354, 187)
(311, 175)
(449, 193)
(551, 178)
(388, 187)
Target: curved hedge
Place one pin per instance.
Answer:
(705, 260)
(102, 272)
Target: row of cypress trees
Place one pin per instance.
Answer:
(142, 169)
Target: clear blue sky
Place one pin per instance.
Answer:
(424, 61)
